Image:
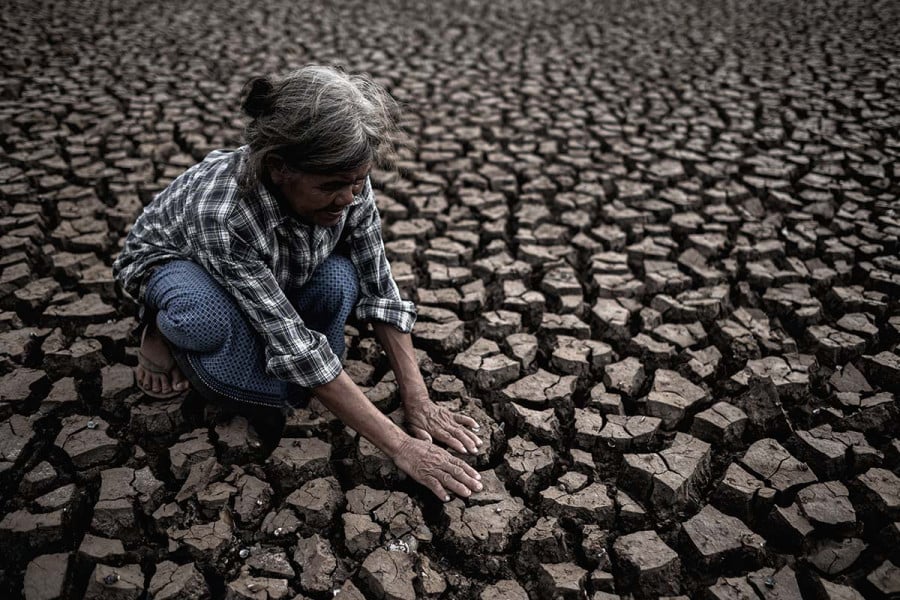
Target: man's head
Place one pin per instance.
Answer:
(319, 198)
(315, 133)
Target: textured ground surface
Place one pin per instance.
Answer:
(654, 245)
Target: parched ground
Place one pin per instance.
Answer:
(655, 250)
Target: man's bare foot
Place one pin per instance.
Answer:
(157, 374)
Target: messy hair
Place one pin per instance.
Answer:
(317, 120)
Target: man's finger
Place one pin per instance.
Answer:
(474, 437)
(466, 420)
(455, 444)
(456, 486)
(463, 435)
(462, 475)
(459, 435)
(435, 486)
(469, 469)
(421, 434)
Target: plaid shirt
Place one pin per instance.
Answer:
(253, 247)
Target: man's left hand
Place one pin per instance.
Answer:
(429, 421)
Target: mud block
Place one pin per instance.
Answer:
(541, 390)
(319, 564)
(671, 479)
(124, 494)
(529, 466)
(47, 577)
(740, 493)
(485, 529)
(539, 425)
(523, 347)
(833, 557)
(191, 448)
(626, 376)
(672, 397)
(722, 424)
(237, 440)
(770, 462)
(545, 542)
(834, 454)
(115, 583)
(317, 501)
(95, 549)
(562, 580)
(16, 433)
(205, 542)
(177, 582)
(252, 499)
(884, 581)
(86, 441)
(506, 589)
(878, 493)
(588, 425)
(483, 365)
(648, 564)
(769, 583)
(246, 587)
(628, 433)
(361, 533)
(157, 417)
(713, 538)
(295, 461)
(590, 504)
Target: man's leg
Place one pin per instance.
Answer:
(213, 344)
(328, 298)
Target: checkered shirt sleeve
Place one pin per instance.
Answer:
(379, 298)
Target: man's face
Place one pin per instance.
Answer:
(320, 199)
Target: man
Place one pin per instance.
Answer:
(248, 265)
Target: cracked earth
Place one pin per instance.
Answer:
(654, 250)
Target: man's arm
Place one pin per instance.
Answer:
(425, 418)
(428, 464)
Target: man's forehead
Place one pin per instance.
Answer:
(348, 176)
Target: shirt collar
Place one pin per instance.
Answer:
(274, 209)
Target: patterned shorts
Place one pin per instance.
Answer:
(216, 347)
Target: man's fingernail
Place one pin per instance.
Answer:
(446, 498)
(476, 427)
(479, 487)
(478, 476)
(464, 451)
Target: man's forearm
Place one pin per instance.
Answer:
(348, 403)
(402, 356)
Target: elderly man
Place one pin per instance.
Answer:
(248, 265)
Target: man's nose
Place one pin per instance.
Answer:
(345, 197)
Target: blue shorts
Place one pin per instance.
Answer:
(216, 347)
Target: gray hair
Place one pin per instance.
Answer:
(317, 120)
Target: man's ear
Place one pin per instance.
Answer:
(277, 169)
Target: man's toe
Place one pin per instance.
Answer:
(179, 382)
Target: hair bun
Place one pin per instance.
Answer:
(257, 95)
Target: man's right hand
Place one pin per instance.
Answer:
(436, 469)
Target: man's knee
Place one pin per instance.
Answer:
(338, 279)
(193, 312)
(196, 321)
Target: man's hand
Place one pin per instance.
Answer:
(436, 469)
(429, 421)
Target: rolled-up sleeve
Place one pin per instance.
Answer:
(292, 351)
(379, 297)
